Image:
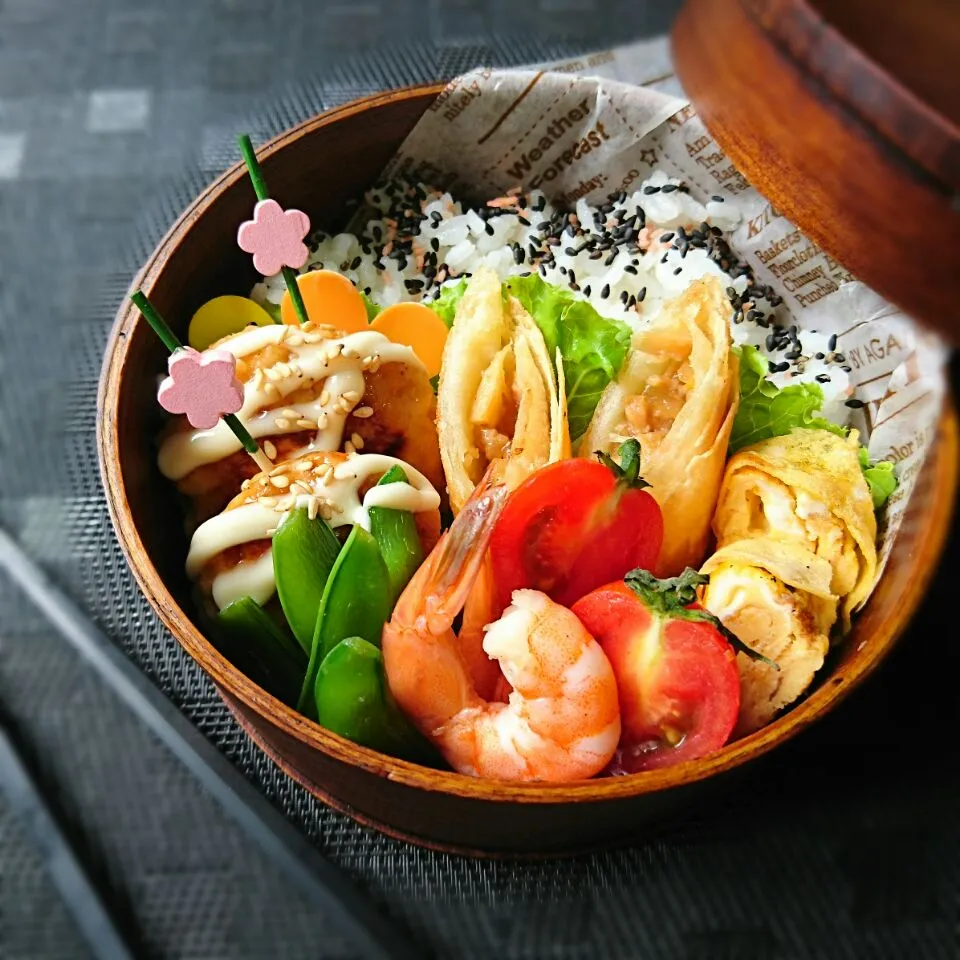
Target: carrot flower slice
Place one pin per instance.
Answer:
(330, 298)
(419, 328)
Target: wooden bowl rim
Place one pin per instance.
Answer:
(228, 677)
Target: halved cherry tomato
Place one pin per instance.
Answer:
(330, 298)
(677, 676)
(575, 525)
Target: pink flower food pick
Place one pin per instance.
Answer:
(275, 237)
(204, 386)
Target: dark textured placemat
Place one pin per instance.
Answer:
(112, 116)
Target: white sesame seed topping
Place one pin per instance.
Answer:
(357, 441)
(363, 412)
(270, 449)
(282, 423)
(324, 397)
(280, 482)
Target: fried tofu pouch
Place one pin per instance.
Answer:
(499, 398)
(678, 395)
(796, 554)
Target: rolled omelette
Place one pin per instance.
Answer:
(500, 397)
(806, 488)
(678, 395)
(775, 597)
(796, 554)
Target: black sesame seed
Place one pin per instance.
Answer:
(669, 187)
(853, 403)
(847, 369)
(822, 378)
(612, 257)
(630, 268)
(771, 342)
(605, 292)
(488, 227)
(413, 285)
(792, 355)
(649, 190)
(518, 254)
(624, 296)
(356, 262)
(586, 290)
(839, 358)
(675, 272)
(772, 367)
(716, 198)
(573, 277)
(819, 356)
(832, 342)
(570, 252)
(641, 295)
(667, 237)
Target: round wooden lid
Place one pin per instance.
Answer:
(845, 114)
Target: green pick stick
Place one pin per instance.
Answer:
(170, 340)
(260, 189)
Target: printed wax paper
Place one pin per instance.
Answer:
(603, 123)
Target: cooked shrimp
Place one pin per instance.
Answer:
(562, 719)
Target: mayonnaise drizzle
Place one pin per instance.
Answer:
(338, 364)
(340, 498)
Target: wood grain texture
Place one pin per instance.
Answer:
(319, 167)
(856, 158)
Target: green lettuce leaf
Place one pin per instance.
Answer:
(880, 478)
(372, 308)
(592, 347)
(272, 308)
(445, 306)
(768, 411)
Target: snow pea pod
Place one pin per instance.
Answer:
(396, 533)
(354, 700)
(256, 644)
(304, 552)
(356, 603)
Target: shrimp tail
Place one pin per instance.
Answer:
(460, 553)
